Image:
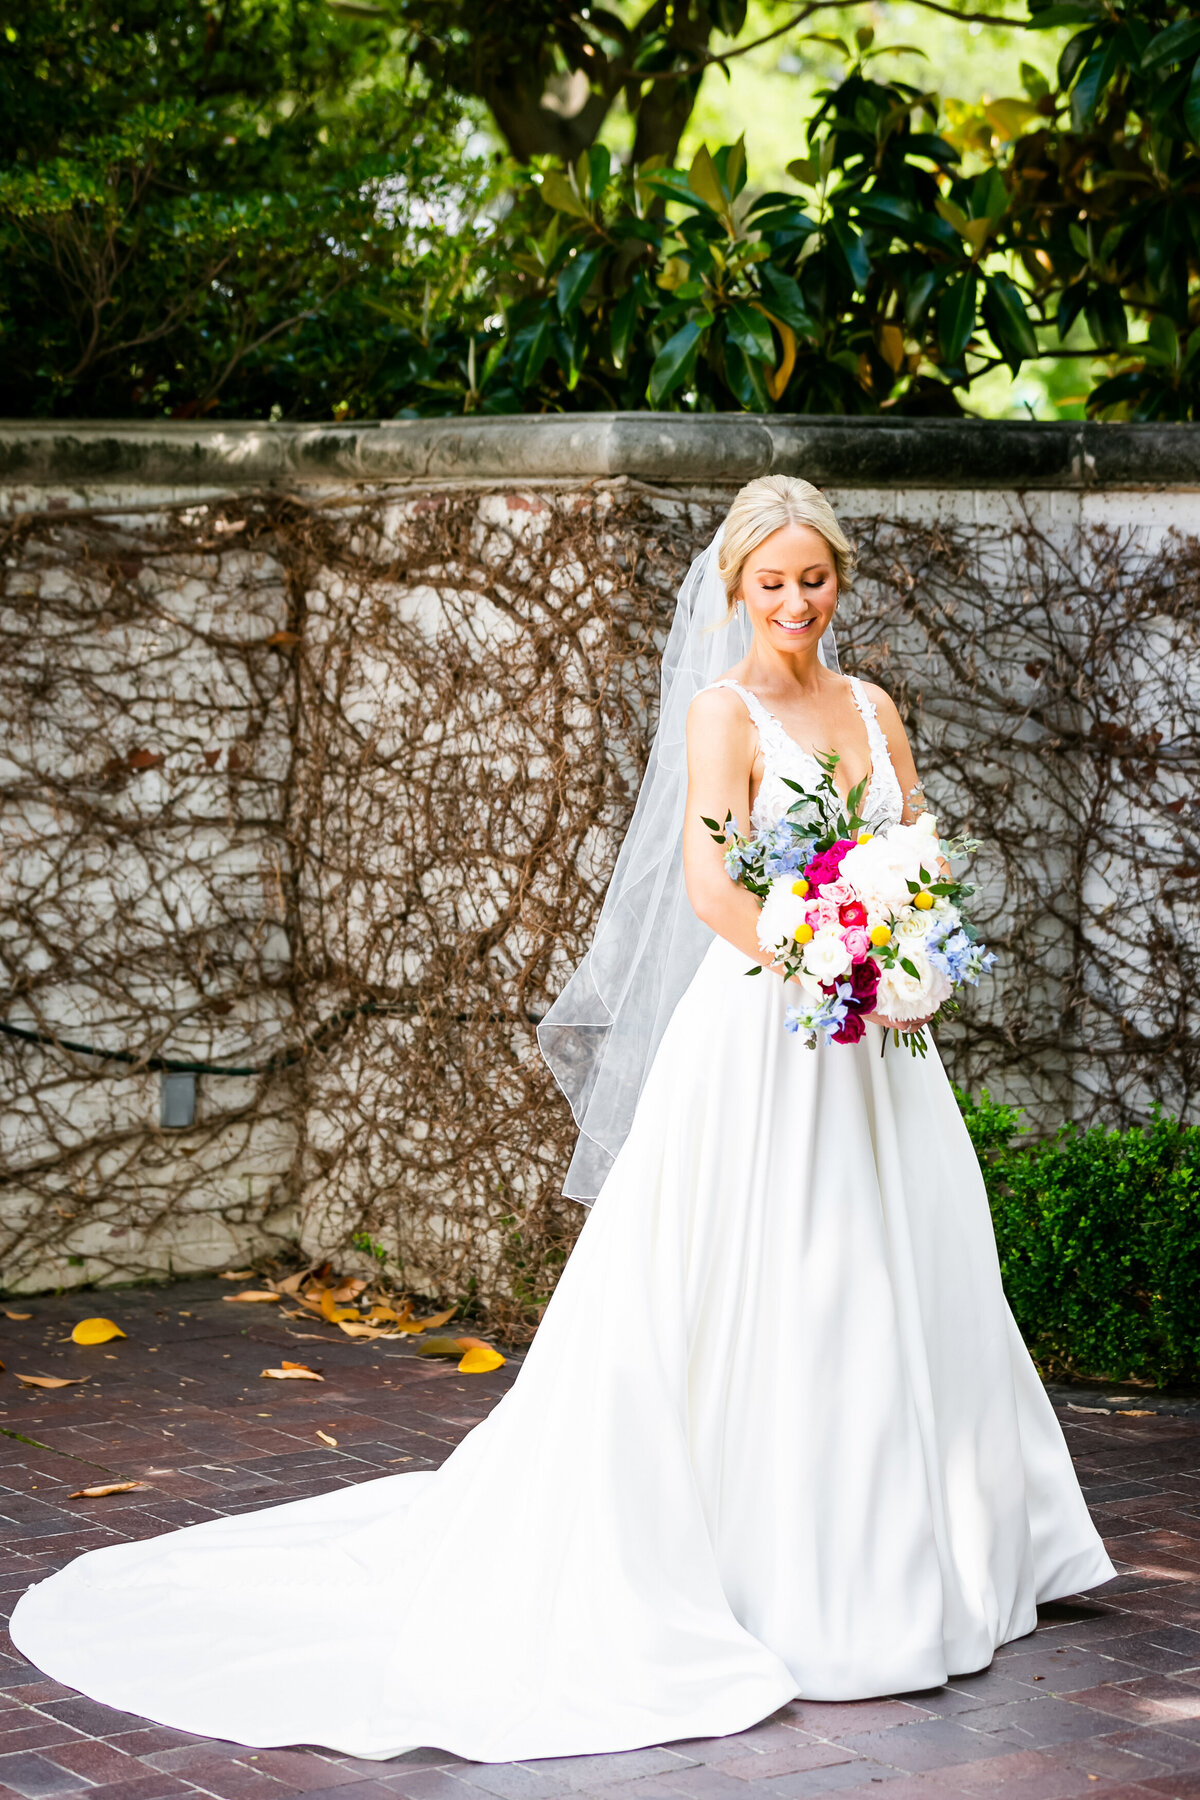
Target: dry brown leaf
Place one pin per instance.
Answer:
(1135, 1412)
(1, 1368)
(253, 1296)
(326, 1439)
(111, 1487)
(348, 1290)
(95, 1331)
(52, 1381)
(290, 1284)
(18, 1316)
(467, 1343)
(235, 1275)
(481, 1360)
(365, 1331)
(293, 1372)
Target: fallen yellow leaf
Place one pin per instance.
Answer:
(13, 1315)
(479, 1361)
(326, 1439)
(52, 1381)
(236, 1275)
(379, 1312)
(253, 1295)
(365, 1331)
(335, 1314)
(96, 1331)
(112, 1487)
(293, 1372)
(415, 1325)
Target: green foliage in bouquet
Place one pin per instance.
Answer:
(1099, 1240)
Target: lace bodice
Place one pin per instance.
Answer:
(883, 803)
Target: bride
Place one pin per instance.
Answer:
(777, 1434)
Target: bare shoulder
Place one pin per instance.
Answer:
(718, 713)
(885, 707)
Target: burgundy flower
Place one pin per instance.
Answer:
(850, 1029)
(864, 983)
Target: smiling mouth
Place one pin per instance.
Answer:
(794, 626)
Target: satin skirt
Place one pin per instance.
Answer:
(777, 1435)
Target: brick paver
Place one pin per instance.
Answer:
(1103, 1700)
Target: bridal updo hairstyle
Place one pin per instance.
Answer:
(765, 506)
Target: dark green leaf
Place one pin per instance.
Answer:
(854, 250)
(624, 317)
(674, 361)
(576, 277)
(1178, 43)
(1005, 316)
(745, 377)
(749, 330)
(1191, 105)
(956, 317)
(782, 296)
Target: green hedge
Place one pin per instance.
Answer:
(1099, 1240)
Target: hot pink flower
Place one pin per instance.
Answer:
(827, 865)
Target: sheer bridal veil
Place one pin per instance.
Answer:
(600, 1035)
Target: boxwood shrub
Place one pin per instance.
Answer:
(1099, 1240)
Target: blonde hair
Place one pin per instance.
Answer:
(765, 506)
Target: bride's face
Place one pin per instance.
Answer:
(789, 587)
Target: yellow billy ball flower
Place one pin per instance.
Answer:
(881, 935)
(800, 888)
(922, 901)
(803, 934)
(864, 837)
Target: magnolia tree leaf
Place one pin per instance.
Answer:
(95, 1331)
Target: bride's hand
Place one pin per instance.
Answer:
(878, 1018)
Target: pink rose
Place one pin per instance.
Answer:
(857, 942)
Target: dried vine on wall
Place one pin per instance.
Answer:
(329, 794)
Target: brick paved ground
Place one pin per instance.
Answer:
(1104, 1700)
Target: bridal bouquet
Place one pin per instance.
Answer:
(866, 922)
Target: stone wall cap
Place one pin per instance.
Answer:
(683, 449)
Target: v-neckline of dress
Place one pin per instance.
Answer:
(810, 754)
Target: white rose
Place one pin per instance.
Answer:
(781, 912)
(826, 957)
(926, 823)
(913, 927)
(902, 996)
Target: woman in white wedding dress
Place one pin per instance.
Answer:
(777, 1434)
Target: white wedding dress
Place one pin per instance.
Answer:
(777, 1435)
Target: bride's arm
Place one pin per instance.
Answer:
(721, 747)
